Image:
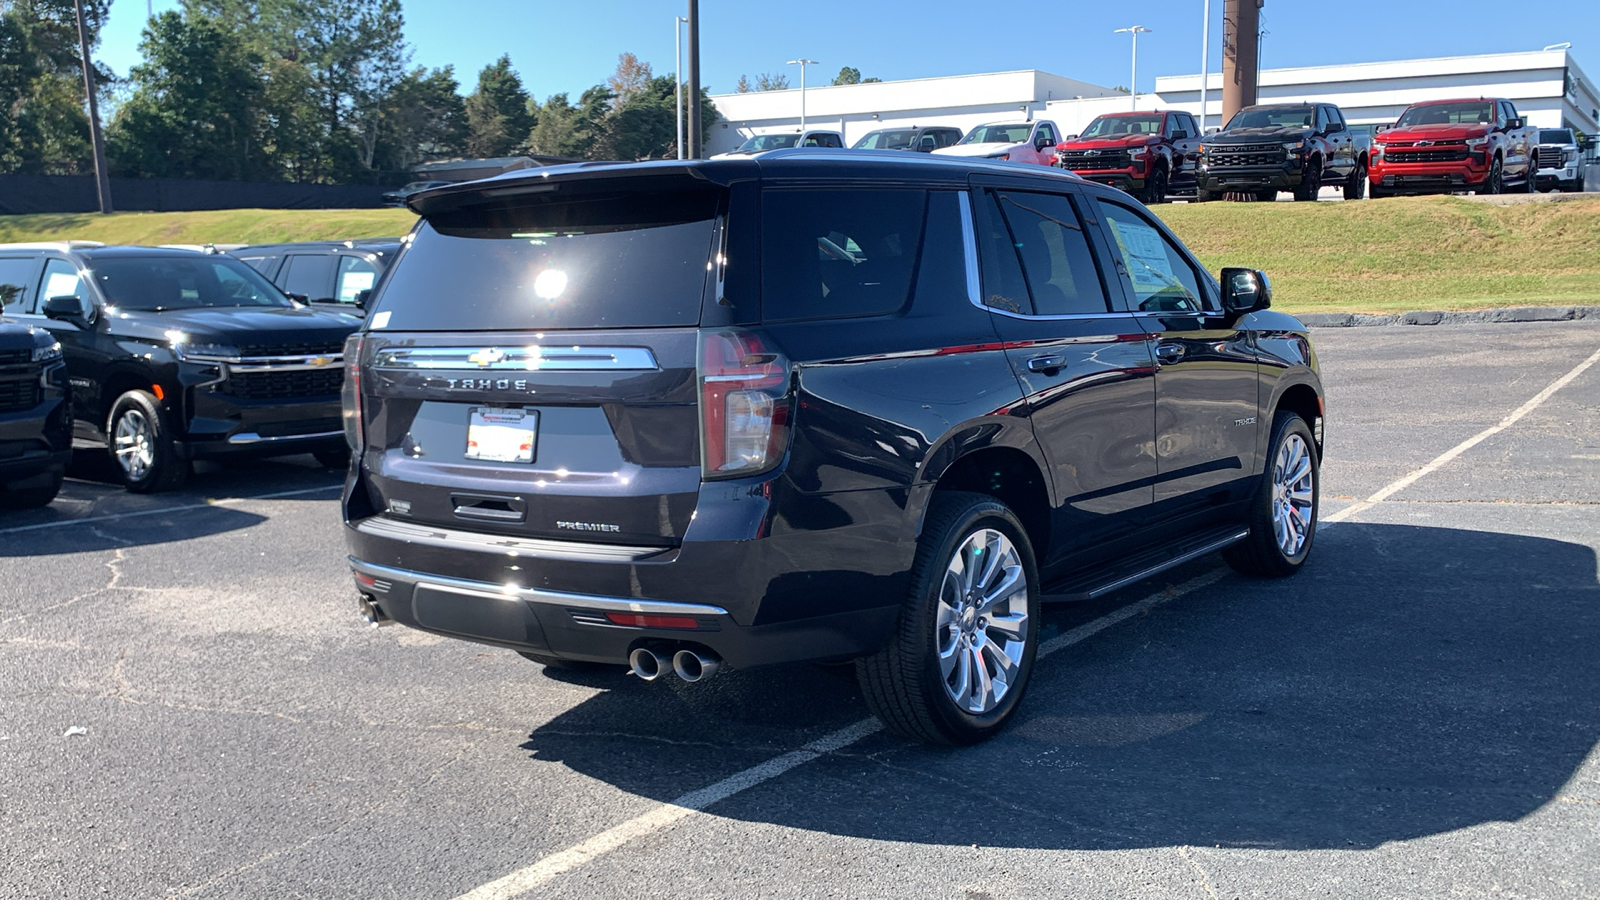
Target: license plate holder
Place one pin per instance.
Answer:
(501, 434)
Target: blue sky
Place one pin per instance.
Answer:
(558, 45)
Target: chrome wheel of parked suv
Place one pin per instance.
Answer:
(143, 448)
(960, 659)
(1283, 520)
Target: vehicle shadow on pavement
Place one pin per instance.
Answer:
(1411, 681)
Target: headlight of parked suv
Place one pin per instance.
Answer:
(1568, 157)
(190, 351)
(1294, 148)
(47, 353)
(1478, 143)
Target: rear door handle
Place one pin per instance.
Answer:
(1169, 353)
(1046, 364)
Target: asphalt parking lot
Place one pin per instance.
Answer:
(1416, 714)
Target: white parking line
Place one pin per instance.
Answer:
(226, 501)
(1444, 458)
(550, 867)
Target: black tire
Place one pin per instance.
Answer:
(1530, 184)
(903, 683)
(1261, 554)
(1311, 184)
(333, 459)
(565, 665)
(165, 469)
(1155, 187)
(35, 494)
(1495, 182)
(1201, 195)
(1267, 195)
(1378, 193)
(1356, 187)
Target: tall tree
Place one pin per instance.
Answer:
(848, 75)
(744, 86)
(41, 85)
(424, 119)
(196, 110)
(630, 80)
(499, 112)
(768, 81)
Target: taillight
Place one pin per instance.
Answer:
(350, 393)
(744, 404)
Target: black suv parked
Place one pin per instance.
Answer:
(335, 275)
(812, 407)
(175, 355)
(35, 418)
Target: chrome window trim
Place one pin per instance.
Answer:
(532, 358)
(557, 599)
(969, 241)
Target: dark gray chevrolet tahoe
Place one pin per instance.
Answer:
(804, 407)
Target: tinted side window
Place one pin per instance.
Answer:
(828, 253)
(308, 275)
(1056, 259)
(1159, 275)
(60, 279)
(262, 264)
(355, 275)
(1003, 286)
(15, 274)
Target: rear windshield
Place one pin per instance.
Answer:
(635, 260)
(152, 284)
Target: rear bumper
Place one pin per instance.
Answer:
(759, 591)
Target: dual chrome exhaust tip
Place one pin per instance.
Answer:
(690, 665)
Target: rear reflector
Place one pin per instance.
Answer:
(652, 621)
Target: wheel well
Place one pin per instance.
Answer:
(114, 387)
(1302, 400)
(1011, 477)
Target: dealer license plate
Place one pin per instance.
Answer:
(502, 435)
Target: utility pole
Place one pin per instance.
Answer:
(1133, 89)
(102, 178)
(677, 74)
(694, 79)
(1241, 41)
(1205, 62)
(802, 62)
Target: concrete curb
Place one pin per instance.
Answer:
(1437, 317)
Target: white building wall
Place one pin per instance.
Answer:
(1376, 93)
(963, 101)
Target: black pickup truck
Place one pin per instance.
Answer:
(1297, 147)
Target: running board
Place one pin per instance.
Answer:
(1070, 591)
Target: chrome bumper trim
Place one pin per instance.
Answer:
(250, 437)
(534, 595)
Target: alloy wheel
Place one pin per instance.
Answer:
(982, 628)
(134, 443)
(1292, 493)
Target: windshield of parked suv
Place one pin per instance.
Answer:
(999, 134)
(614, 260)
(1274, 117)
(156, 283)
(1110, 126)
(886, 140)
(769, 142)
(1470, 113)
(1555, 136)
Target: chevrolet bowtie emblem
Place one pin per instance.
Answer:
(487, 357)
(1424, 143)
(320, 360)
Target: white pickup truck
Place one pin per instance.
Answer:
(1561, 164)
(1021, 142)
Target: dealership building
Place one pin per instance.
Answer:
(1547, 87)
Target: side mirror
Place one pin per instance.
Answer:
(68, 309)
(1180, 135)
(1245, 290)
(298, 298)
(1514, 123)
(1335, 127)
(362, 297)
(1380, 129)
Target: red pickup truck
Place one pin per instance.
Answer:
(1148, 154)
(1454, 145)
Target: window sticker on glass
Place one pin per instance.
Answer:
(1146, 256)
(353, 283)
(501, 435)
(60, 284)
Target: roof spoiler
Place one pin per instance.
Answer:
(552, 178)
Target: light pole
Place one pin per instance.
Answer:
(802, 62)
(102, 178)
(694, 80)
(1205, 61)
(677, 74)
(1133, 89)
